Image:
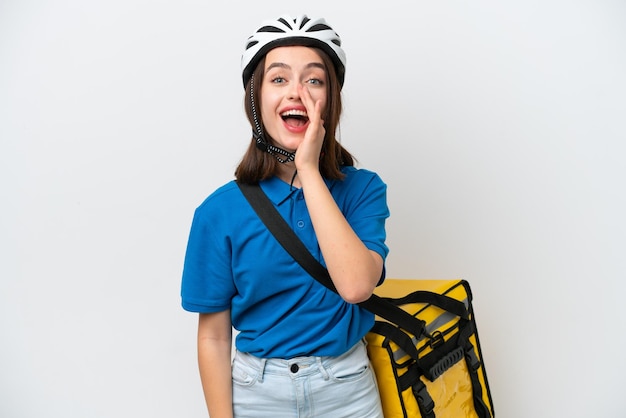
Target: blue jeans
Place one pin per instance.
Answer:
(311, 387)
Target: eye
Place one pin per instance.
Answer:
(278, 80)
(315, 81)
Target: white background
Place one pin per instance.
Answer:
(498, 127)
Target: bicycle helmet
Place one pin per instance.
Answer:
(289, 31)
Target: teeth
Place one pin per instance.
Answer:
(294, 112)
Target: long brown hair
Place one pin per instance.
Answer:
(257, 165)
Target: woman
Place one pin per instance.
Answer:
(299, 350)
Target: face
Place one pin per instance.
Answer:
(284, 115)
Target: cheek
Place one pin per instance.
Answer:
(269, 103)
(322, 97)
(267, 109)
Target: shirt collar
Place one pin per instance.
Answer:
(278, 191)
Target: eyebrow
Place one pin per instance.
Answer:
(287, 67)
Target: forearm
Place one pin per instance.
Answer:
(354, 269)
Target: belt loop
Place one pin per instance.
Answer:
(322, 369)
(262, 369)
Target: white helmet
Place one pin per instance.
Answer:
(289, 31)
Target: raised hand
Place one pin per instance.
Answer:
(308, 152)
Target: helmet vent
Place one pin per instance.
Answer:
(270, 29)
(251, 44)
(319, 27)
(304, 22)
(284, 22)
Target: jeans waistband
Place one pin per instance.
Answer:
(299, 366)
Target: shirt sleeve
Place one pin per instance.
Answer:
(207, 281)
(365, 208)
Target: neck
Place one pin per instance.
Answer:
(287, 173)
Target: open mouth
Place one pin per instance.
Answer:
(295, 118)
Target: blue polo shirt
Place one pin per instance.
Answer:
(233, 262)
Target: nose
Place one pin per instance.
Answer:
(293, 93)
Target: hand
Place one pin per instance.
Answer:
(308, 152)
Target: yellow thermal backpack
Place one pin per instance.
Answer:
(440, 371)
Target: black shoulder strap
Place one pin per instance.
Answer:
(294, 246)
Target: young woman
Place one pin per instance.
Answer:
(299, 348)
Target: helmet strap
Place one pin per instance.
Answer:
(281, 155)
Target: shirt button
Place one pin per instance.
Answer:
(294, 368)
(300, 224)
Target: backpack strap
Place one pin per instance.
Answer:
(296, 248)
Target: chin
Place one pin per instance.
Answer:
(290, 146)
